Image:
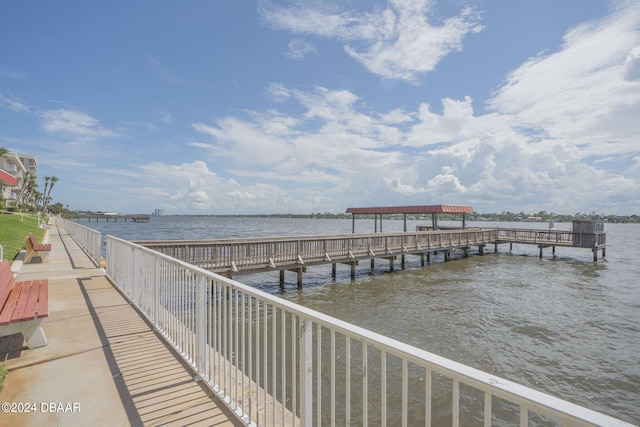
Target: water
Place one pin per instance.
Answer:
(563, 325)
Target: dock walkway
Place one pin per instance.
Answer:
(103, 364)
(295, 253)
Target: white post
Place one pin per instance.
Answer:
(201, 327)
(306, 372)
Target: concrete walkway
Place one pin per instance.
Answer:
(103, 364)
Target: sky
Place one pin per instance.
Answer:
(269, 106)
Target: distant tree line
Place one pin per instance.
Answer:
(502, 216)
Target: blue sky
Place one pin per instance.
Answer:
(223, 107)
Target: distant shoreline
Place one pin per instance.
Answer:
(480, 217)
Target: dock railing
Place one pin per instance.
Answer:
(88, 238)
(552, 237)
(276, 363)
(254, 254)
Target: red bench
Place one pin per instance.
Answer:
(23, 306)
(36, 249)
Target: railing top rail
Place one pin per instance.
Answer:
(83, 227)
(469, 375)
(536, 230)
(305, 237)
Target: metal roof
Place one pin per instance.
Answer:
(411, 209)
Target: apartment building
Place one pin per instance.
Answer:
(13, 172)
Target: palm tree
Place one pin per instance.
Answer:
(47, 199)
(44, 193)
(26, 190)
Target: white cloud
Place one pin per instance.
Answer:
(13, 103)
(632, 65)
(74, 123)
(299, 48)
(582, 94)
(11, 74)
(455, 156)
(395, 42)
(163, 71)
(195, 187)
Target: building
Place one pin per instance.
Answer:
(18, 166)
(158, 212)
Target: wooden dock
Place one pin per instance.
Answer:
(110, 217)
(250, 255)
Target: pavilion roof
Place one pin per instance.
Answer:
(424, 209)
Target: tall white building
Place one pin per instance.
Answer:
(16, 166)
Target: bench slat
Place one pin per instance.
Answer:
(9, 307)
(43, 303)
(6, 282)
(33, 307)
(37, 306)
(23, 299)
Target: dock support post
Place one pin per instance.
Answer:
(595, 254)
(429, 257)
(481, 249)
(299, 278)
(510, 246)
(553, 250)
(391, 263)
(422, 259)
(540, 252)
(373, 263)
(495, 247)
(353, 270)
(604, 252)
(466, 252)
(446, 255)
(402, 261)
(281, 277)
(333, 270)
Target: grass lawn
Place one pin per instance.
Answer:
(13, 231)
(3, 372)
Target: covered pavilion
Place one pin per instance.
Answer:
(434, 210)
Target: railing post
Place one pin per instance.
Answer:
(201, 327)
(156, 292)
(306, 372)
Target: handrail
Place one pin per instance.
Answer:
(88, 238)
(232, 255)
(277, 363)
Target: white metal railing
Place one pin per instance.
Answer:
(276, 363)
(88, 238)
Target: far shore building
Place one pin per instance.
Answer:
(14, 168)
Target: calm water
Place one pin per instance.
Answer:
(563, 325)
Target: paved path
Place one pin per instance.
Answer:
(103, 364)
